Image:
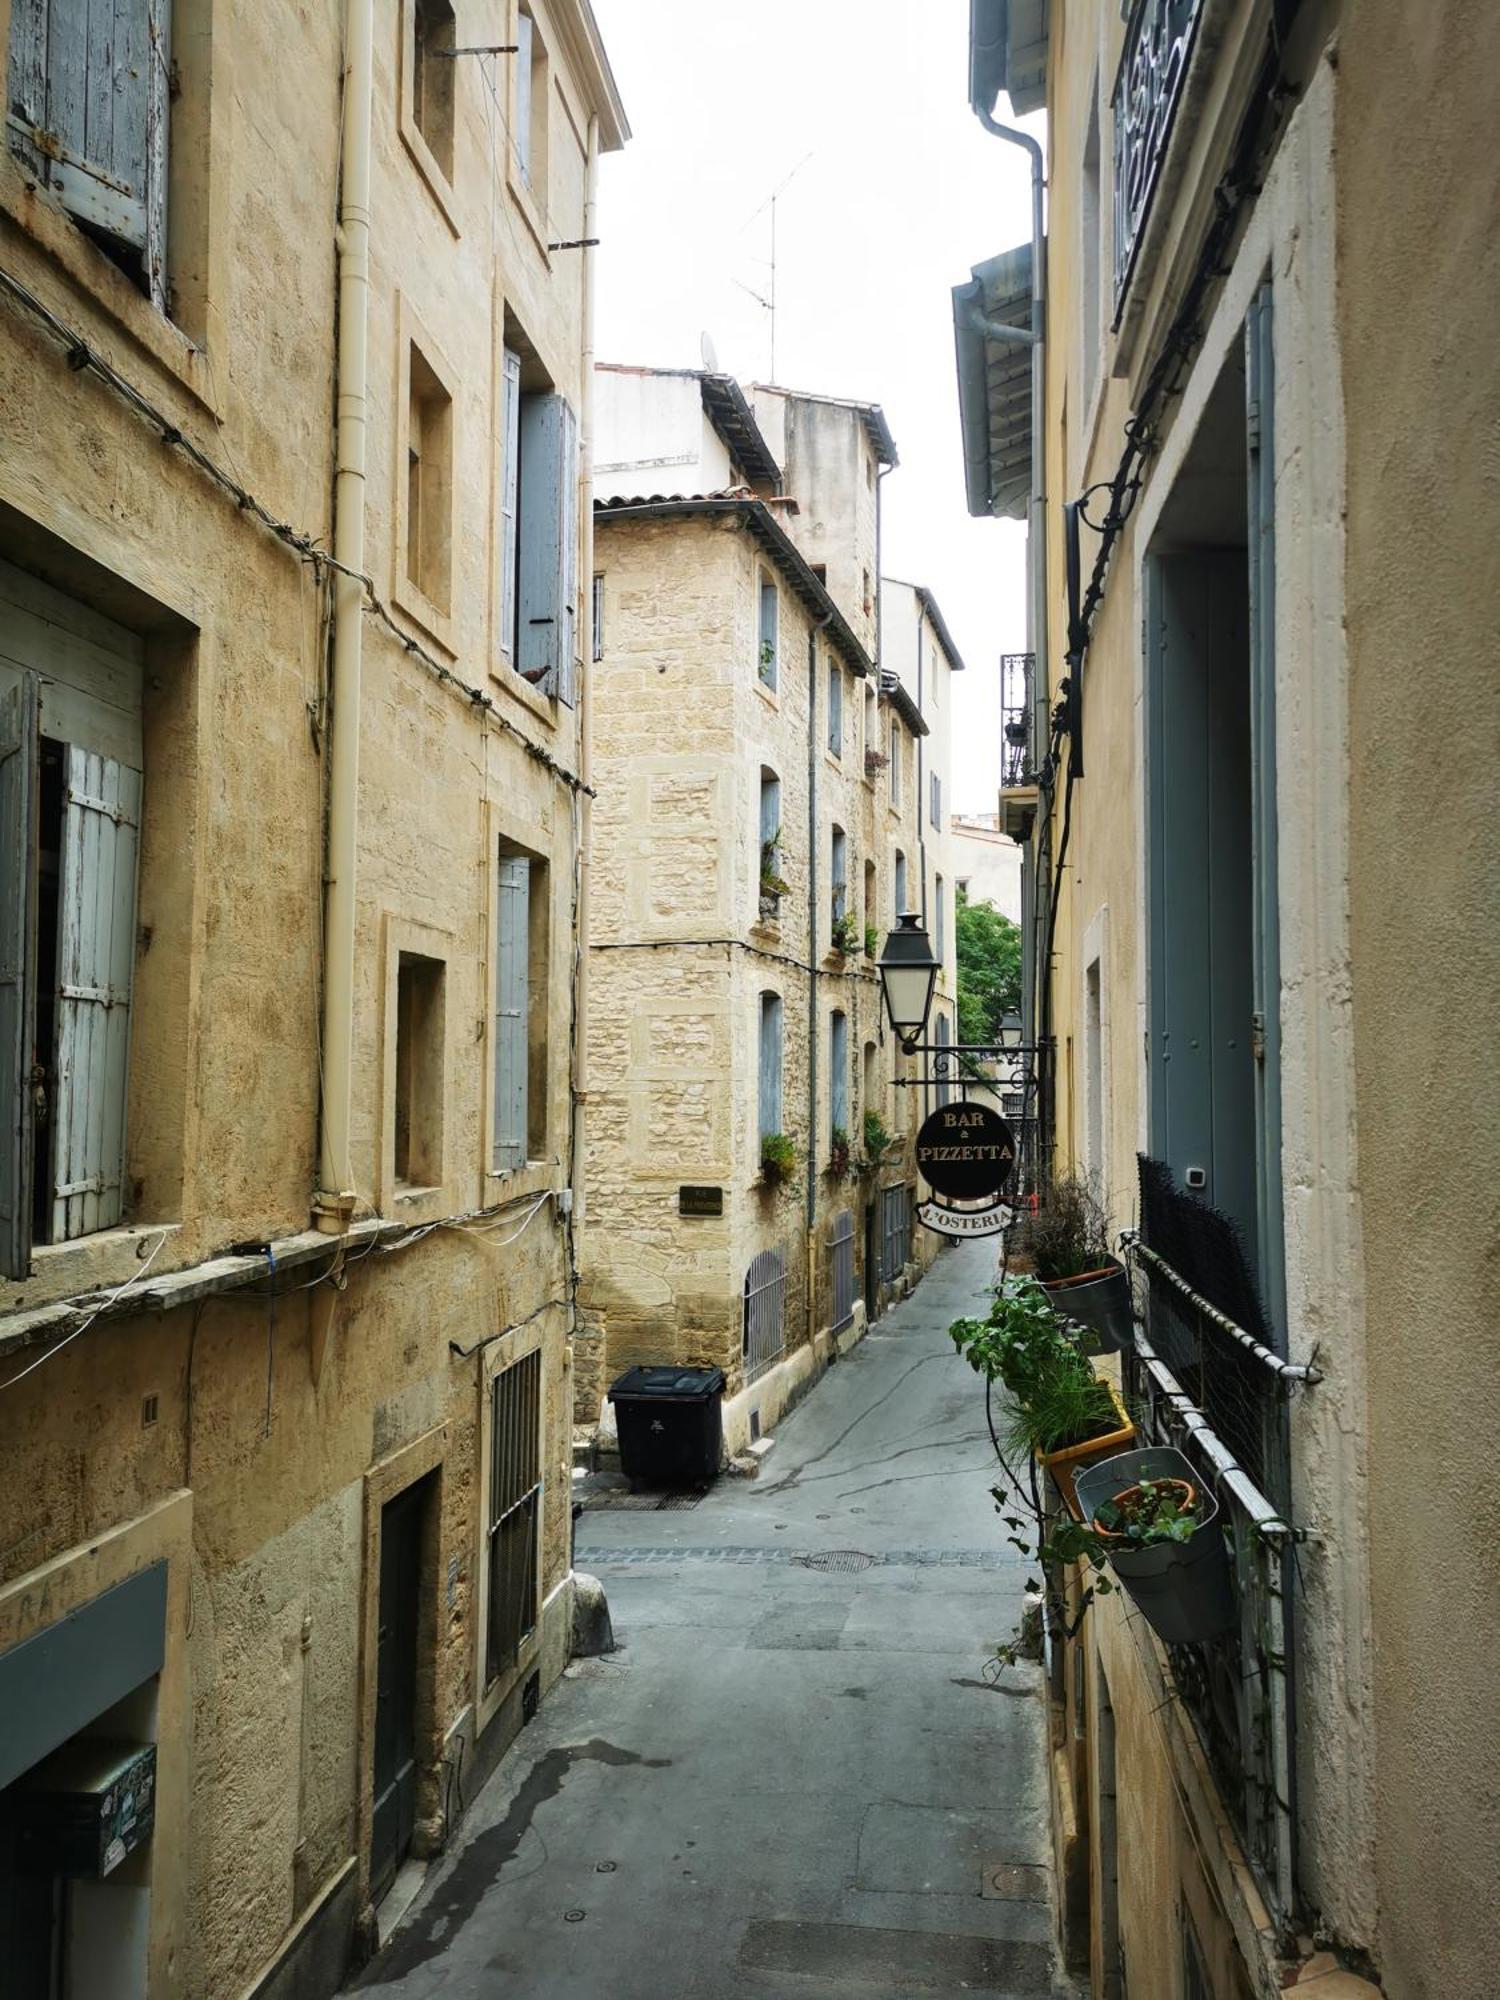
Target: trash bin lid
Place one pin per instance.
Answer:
(668, 1384)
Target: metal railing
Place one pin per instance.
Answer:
(1017, 698)
(1198, 1381)
(841, 1256)
(1159, 37)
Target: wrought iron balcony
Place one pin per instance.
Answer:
(1018, 764)
(1159, 40)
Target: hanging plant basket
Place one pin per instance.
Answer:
(1069, 1461)
(1099, 1302)
(1184, 1590)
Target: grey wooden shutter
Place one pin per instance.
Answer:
(548, 558)
(838, 1072)
(18, 795)
(95, 966)
(512, 1000)
(88, 90)
(567, 586)
(510, 479)
(835, 708)
(770, 1063)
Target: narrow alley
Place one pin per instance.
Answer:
(795, 1776)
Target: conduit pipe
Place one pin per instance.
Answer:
(818, 625)
(585, 625)
(334, 1201)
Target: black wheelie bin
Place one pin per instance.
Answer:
(670, 1423)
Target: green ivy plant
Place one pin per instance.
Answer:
(877, 1139)
(845, 935)
(778, 1159)
(872, 940)
(1155, 1510)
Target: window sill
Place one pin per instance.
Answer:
(525, 200)
(411, 599)
(769, 695)
(434, 179)
(54, 232)
(508, 1184)
(543, 706)
(106, 1260)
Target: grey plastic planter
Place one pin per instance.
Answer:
(1184, 1589)
(1099, 1302)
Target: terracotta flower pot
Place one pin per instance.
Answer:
(1069, 1460)
(1184, 1590)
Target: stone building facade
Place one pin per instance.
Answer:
(289, 1191)
(1275, 953)
(757, 807)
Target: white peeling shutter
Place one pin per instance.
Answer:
(567, 583)
(95, 964)
(540, 554)
(512, 997)
(510, 477)
(18, 795)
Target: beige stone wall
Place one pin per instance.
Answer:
(289, 1421)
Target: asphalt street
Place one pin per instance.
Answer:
(802, 1773)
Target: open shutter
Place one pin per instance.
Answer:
(510, 477)
(512, 936)
(540, 557)
(95, 963)
(565, 684)
(18, 797)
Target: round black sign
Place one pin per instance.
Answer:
(966, 1152)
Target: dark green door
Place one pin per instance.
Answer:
(396, 1684)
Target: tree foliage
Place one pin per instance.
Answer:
(989, 969)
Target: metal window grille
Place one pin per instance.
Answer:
(765, 1313)
(841, 1257)
(895, 1232)
(515, 1509)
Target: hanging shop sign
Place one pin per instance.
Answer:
(966, 1153)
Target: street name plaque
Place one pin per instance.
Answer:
(700, 1201)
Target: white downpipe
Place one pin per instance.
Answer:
(585, 625)
(335, 1198)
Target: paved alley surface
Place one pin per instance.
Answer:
(795, 1777)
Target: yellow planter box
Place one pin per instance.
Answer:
(1064, 1465)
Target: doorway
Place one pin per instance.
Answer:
(398, 1649)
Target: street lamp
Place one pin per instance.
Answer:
(908, 973)
(1010, 1030)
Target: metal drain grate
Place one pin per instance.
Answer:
(669, 1502)
(839, 1559)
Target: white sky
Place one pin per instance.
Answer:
(901, 192)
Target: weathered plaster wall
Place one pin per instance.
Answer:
(1417, 223)
(652, 435)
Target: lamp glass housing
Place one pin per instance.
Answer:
(908, 973)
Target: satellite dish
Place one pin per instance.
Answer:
(710, 354)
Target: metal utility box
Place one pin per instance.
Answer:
(84, 1808)
(670, 1422)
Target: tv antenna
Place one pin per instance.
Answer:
(768, 299)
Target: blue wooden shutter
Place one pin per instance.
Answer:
(510, 479)
(512, 1001)
(770, 1063)
(835, 708)
(769, 633)
(95, 967)
(838, 1071)
(18, 797)
(838, 873)
(565, 686)
(548, 555)
(900, 884)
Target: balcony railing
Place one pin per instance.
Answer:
(1019, 759)
(1197, 1380)
(1159, 41)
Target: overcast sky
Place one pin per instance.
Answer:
(895, 193)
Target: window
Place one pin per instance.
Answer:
(838, 870)
(70, 819)
(433, 77)
(771, 886)
(429, 482)
(935, 800)
(514, 1510)
(838, 1073)
(769, 631)
(529, 135)
(872, 908)
(769, 1098)
(87, 94)
(418, 1108)
(895, 764)
(764, 1337)
(835, 708)
(939, 924)
(872, 733)
(538, 531)
(596, 620)
(521, 949)
(900, 886)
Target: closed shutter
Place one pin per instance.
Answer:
(770, 1064)
(88, 93)
(838, 1072)
(95, 963)
(512, 997)
(548, 556)
(835, 710)
(18, 804)
(510, 479)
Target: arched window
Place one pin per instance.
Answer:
(769, 879)
(838, 872)
(764, 1335)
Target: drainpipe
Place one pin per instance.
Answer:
(333, 1204)
(1035, 996)
(818, 625)
(583, 825)
(921, 804)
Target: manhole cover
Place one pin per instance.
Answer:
(840, 1559)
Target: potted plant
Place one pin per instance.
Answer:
(872, 940)
(778, 1159)
(1068, 1238)
(1064, 1415)
(845, 936)
(838, 1153)
(877, 1139)
(772, 886)
(875, 762)
(1158, 1526)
